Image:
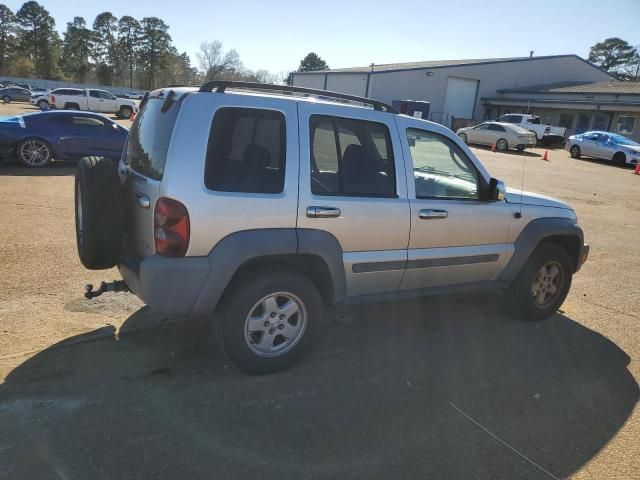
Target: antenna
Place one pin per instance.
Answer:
(524, 163)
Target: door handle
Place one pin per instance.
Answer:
(429, 214)
(143, 201)
(323, 212)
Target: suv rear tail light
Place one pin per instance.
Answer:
(171, 228)
(52, 99)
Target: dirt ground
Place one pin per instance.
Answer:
(449, 387)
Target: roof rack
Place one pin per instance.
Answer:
(221, 85)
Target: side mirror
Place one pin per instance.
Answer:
(497, 189)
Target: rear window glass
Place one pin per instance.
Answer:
(148, 140)
(246, 151)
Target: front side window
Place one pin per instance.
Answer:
(626, 125)
(482, 126)
(88, 122)
(246, 151)
(351, 157)
(440, 168)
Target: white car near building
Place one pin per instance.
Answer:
(503, 135)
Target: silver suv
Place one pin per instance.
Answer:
(258, 205)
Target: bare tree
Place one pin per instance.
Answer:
(214, 61)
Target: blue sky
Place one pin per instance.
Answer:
(276, 34)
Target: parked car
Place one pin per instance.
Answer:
(15, 94)
(134, 95)
(26, 86)
(604, 145)
(93, 100)
(502, 135)
(38, 138)
(546, 134)
(40, 90)
(256, 210)
(41, 100)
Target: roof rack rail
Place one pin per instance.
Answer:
(221, 85)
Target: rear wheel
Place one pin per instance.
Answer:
(543, 284)
(574, 151)
(620, 159)
(34, 153)
(502, 145)
(269, 320)
(6, 99)
(99, 213)
(463, 137)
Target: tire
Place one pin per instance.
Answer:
(43, 104)
(502, 145)
(520, 148)
(620, 159)
(125, 112)
(574, 151)
(260, 298)
(34, 153)
(532, 296)
(99, 212)
(463, 137)
(6, 99)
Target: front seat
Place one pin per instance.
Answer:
(359, 173)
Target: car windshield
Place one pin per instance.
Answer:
(620, 140)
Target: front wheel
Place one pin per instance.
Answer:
(502, 145)
(574, 151)
(126, 112)
(542, 285)
(34, 153)
(6, 99)
(620, 159)
(463, 137)
(269, 320)
(43, 104)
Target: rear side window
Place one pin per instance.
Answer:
(496, 128)
(148, 140)
(246, 151)
(351, 158)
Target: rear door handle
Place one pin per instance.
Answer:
(323, 212)
(143, 201)
(430, 214)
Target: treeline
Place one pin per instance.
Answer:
(112, 51)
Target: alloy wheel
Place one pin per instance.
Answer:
(35, 153)
(547, 284)
(275, 324)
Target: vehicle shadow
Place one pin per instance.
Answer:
(518, 153)
(11, 167)
(396, 390)
(598, 161)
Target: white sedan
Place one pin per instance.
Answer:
(503, 135)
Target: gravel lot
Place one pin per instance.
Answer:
(438, 388)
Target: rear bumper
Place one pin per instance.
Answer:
(169, 286)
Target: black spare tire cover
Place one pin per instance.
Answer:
(99, 213)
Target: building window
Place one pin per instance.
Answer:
(566, 120)
(626, 125)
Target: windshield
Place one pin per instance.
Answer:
(620, 140)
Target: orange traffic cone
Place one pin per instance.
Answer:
(545, 157)
(637, 170)
(493, 147)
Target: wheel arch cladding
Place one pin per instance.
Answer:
(242, 251)
(564, 231)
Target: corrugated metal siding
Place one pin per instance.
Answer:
(309, 80)
(355, 84)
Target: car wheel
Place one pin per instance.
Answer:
(543, 284)
(463, 137)
(268, 321)
(520, 148)
(99, 211)
(126, 112)
(502, 145)
(6, 99)
(42, 104)
(620, 159)
(34, 153)
(574, 151)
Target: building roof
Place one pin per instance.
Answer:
(611, 87)
(429, 64)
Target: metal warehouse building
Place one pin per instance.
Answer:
(461, 91)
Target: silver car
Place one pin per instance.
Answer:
(503, 135)
(604, 145)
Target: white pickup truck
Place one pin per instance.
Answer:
(544, 133)
(93, 100)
